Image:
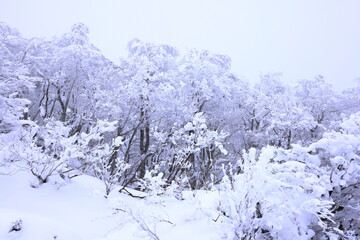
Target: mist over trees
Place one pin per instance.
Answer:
(285, 156)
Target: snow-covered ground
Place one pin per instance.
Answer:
(77, 209)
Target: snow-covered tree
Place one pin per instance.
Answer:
(284, 157)
(15, 82)
(67, 66)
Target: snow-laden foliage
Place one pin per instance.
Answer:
(37, 149)
(15, 82)
(284, 158)
(340, 154)
(189, 152)
(275, 196)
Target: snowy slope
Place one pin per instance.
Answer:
(78, 210)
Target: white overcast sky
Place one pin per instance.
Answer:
(299, 38)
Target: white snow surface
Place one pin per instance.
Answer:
(77, 209)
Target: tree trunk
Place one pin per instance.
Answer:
(289, 140)
(144, 142)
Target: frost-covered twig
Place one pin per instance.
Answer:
(144, 226)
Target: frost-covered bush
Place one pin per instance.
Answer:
(155, 185)
(86, 148)
(110, 173)
(43, 147)
(274, 197)
(108, 169)
(48, 150)
(339, 152)
(36, 149)
(90, 153)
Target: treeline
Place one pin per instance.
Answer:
(188, 120)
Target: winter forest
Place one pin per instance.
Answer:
(176, 144)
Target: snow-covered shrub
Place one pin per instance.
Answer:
(86, 148)
(90, 153)
(153, 182)
(42, 149)
(34, 149)
(48, 150)
(155, 185)
(339, 152)
(274, 197)
(107, 169)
